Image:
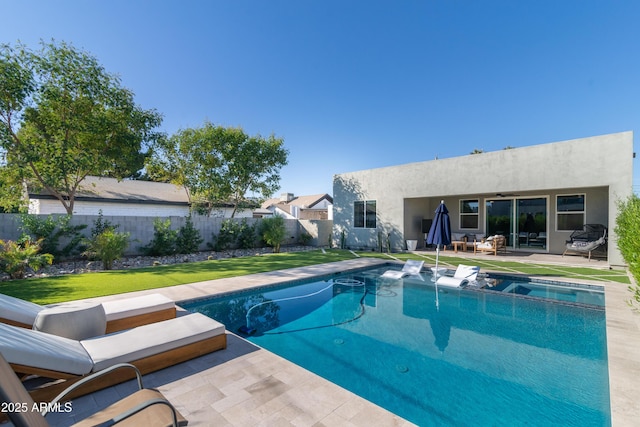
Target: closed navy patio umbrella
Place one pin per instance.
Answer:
(439, 234)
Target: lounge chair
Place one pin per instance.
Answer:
(145, 407)
(149, 347)
(411, 267)
(463, 275)
(491, 244)
(587, 239)
(121, 314)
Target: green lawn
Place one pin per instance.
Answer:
(80, 286)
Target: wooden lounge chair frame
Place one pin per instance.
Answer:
(140, 319)
(61, 380)
(157, 409)
(498, 242)
(121, 324)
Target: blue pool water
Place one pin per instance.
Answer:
(484, 358)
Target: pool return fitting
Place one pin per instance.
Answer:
(248, 330)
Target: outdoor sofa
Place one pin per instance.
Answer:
(491, 244)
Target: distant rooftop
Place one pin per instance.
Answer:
(110, 189)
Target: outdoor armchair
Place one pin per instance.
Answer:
(145, 407)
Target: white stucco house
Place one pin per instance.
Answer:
(125, 198)
(535, 196)
(316, 206)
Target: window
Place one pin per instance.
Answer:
(364, 214)
(469, 214)
(570, 212)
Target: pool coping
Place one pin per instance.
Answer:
(622, 323)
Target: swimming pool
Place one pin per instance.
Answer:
(483, 358)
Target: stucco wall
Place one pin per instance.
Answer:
(602, 166)
(320, 231)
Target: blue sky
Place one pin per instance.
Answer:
(353, 85)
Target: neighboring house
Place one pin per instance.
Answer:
(317, 206)
(535, 196)
(125, 198)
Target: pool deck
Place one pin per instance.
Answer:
(245, 385)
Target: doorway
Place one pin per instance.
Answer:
(522, 220)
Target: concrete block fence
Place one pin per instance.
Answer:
(141, 228)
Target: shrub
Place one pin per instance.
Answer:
(164, 239)
(246, 235)
(101, 225)
(273, 231)
(108, 247)
(16, 258)
(228, 235)
(188, 239)
(53, 232)
(305, 238)
(628, 231)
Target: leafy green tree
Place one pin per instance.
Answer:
(219, 165)
(273, 231)
(62, 118)
(628, 231)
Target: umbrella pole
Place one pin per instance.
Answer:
(436, 274)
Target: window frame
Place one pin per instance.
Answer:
(462, 214)
(366, 215)
(582, 212)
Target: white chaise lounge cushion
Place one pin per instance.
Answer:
(25, 312)
(411, 267)
(45, 351)
(463, 274)
(18, 310)
(128, 307)
(76, 321)
(148, 340)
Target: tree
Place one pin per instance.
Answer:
(273, 231)
(62, 118)
(219, 165)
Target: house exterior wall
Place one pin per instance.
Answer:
(48, 206)
(600, 166)
(81, 207)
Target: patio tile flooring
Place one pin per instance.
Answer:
(245, 385)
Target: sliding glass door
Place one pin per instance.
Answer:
(500, 218)
(532, 223)
(523, 221)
